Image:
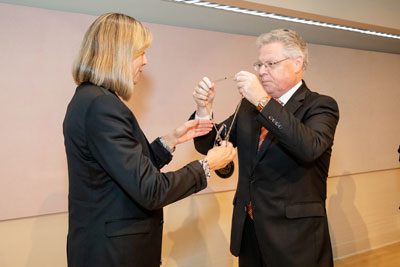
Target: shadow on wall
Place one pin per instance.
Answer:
(199, 241)
(349, 234)
(49, 238)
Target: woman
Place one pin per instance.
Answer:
(116, 189)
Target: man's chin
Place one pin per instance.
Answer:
(267, 87)
(271, 92)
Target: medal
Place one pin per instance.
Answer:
(228, 170)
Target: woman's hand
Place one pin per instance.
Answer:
(219, 156)
(187, 131)
(192, 129)
(204, 94)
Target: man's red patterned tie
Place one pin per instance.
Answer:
(263, 134)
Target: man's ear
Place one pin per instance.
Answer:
(298, 64)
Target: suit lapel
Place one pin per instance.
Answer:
(294, 103)
(264, 147)
(252, 127)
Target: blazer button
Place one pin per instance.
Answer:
(245, 209)
(161, 221)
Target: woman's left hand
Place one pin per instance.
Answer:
(192, 129)
(187, 131)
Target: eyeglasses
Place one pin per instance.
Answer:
(267, 65)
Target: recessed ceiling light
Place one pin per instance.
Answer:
(285, 18)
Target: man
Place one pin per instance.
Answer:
(399, 152)
(279, 216)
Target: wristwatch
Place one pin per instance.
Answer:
(263, 102)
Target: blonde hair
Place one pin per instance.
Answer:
(108, 50)
(294, 45)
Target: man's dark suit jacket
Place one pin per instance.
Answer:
(286, 180)
(116, 189)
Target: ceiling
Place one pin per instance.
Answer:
(383, 12)
(366, 12)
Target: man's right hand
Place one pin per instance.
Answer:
(204, 94)
(219, 156)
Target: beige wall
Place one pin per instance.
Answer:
(36, 62)
(362, 209)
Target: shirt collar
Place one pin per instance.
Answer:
(286, 96)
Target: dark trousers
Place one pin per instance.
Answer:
(250, 254)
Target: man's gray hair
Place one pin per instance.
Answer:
(294, 46)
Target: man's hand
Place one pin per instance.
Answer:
(250, 87)
(204, 94)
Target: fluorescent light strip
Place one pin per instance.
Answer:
(285, 18)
